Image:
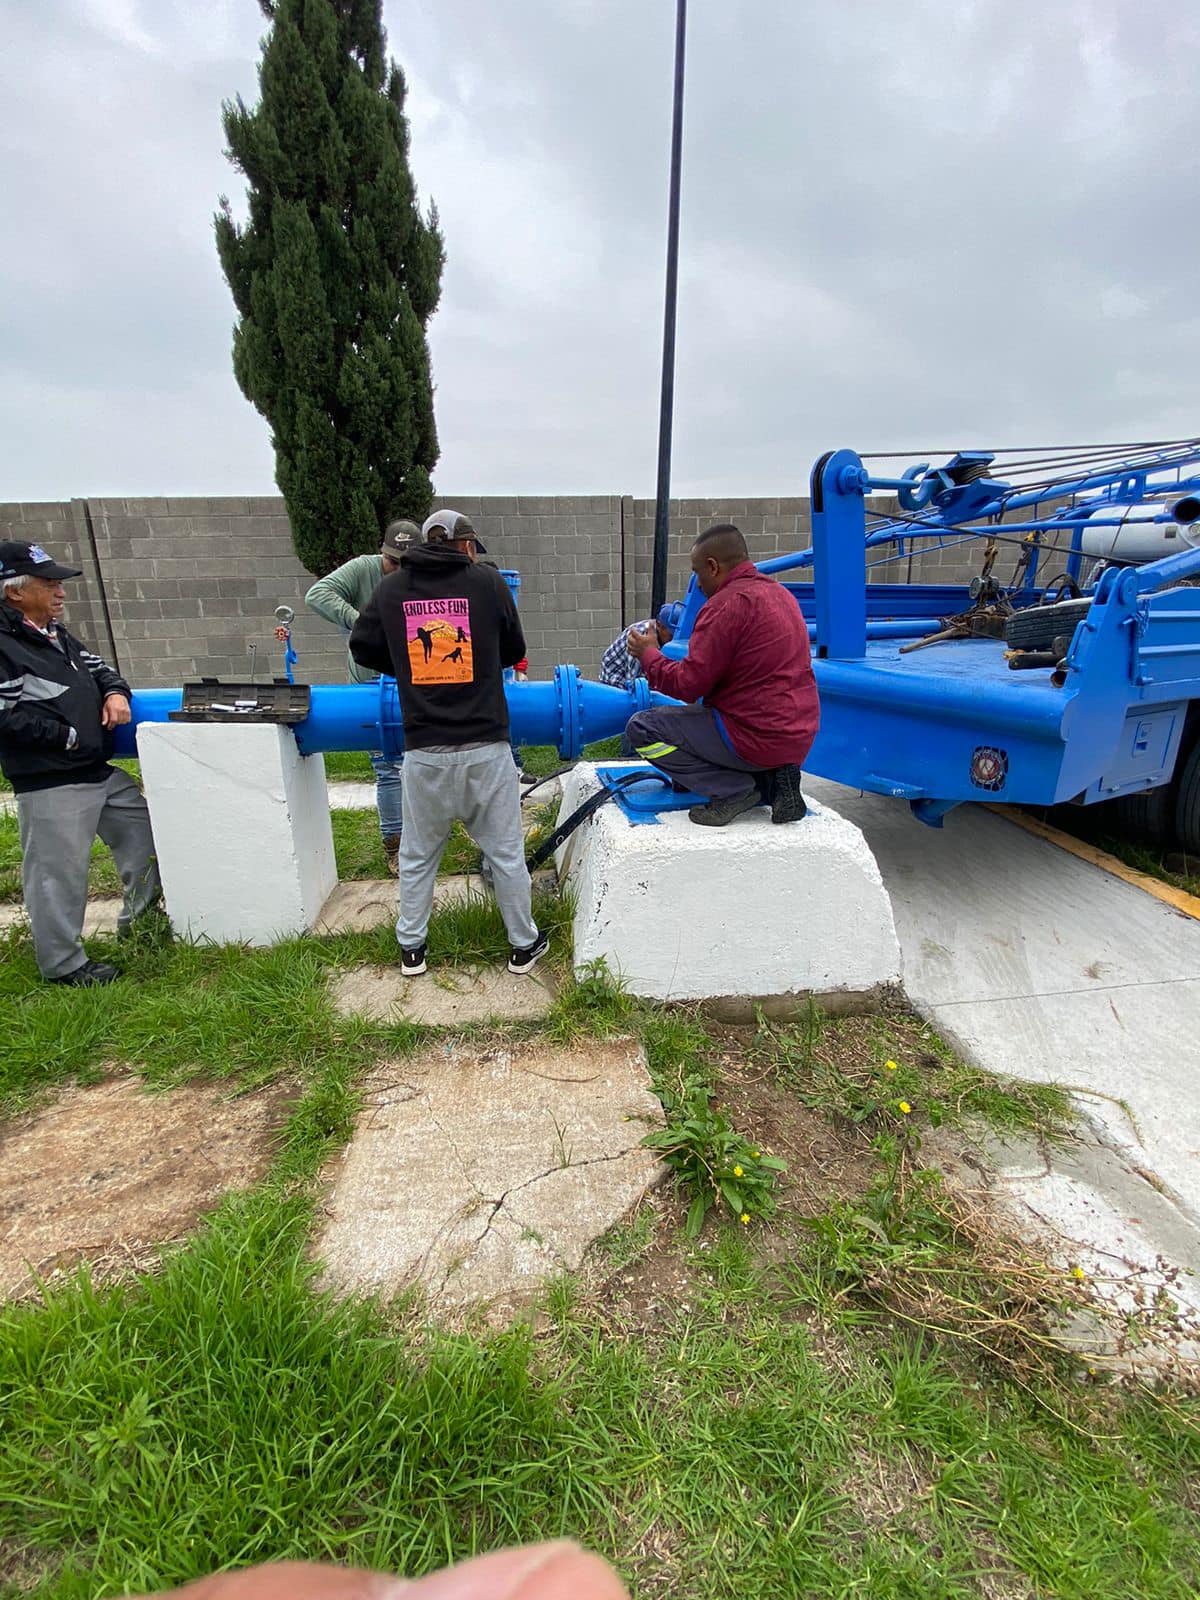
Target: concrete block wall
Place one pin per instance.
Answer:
(771, 527)
(568, 551)
(61, 528)
(181, 588)
(192, 583)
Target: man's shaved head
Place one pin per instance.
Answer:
(723, 543)
(715, 554)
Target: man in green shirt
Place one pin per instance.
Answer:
(339, 597)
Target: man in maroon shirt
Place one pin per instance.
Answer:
(748, 659)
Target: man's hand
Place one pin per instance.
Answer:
(637, 643)
(559, 1571)
(115, 711)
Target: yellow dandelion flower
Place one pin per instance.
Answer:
(1078, 1272)
(755, 1154)
(891, 1066)
(738, 1173)
(745, 1218)
(905, 1108)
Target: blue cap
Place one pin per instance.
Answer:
(670, 614)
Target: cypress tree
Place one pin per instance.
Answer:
(335, 275)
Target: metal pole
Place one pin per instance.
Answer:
(658, 585)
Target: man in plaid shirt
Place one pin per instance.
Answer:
(617, 666)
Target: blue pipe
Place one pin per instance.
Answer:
(568, 712)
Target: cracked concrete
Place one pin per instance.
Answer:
(444, 997)
(1034, 964)
(479, 1175)
(1081, 1205)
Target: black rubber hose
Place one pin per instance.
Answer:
(581, 813)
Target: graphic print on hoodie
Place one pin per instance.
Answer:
(438, 637)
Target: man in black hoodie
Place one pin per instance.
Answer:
(446, 627)
(58, 706)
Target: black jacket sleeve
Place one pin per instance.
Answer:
(368, 642)
(22, 722)
(108, 681)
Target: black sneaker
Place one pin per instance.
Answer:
(523, 960)
(717, 813)
(412, 962)
(89, 975)
(787, 803)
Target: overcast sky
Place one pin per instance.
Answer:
(906, 224)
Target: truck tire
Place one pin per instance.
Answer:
(1147, 818)
(1187, 804)
(1037, 627)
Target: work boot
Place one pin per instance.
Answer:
(89, 975)
(764, 782)
(391, 851)
(717, 813)
(787, 803)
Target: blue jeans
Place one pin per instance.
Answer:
(388, 795)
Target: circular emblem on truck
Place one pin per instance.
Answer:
(989, 768)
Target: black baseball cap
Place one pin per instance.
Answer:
(398, 539)
(31, 561)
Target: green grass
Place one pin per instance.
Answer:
(220, 1011)
(225, 1412)
(799, 1420)
(863, 1069)
(1093, 823)
(357, 846)
(349, 766)
(356, 840)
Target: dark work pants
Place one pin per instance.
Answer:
(685, 743)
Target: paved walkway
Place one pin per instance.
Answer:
(1040, 966)
(345, 794)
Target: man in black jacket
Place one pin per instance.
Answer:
(446, 627)
(58, 706)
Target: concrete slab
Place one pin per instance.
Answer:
(1044, 967)
(444, 997)
(99, 917)
(683, 912)
(480, 1175)
(347, 794)
(1037, 965)
(356, 905)
(359, 904)
(1089, 1210)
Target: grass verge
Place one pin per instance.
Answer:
(766, 1411)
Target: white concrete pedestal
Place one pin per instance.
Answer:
(742, 913)
(241, 827)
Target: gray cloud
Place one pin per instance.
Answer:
(903, 225)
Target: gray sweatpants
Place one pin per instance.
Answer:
(57, 827)
(481, 787)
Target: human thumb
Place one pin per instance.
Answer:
(557, 1571)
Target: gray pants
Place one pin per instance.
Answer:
(57, 828)
(481, 787)
(685, 743)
